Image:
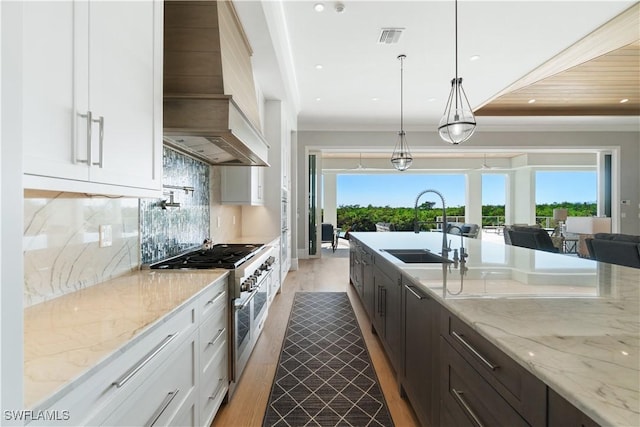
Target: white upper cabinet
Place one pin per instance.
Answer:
(242, 185)
(92, 96)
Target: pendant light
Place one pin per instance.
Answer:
(401, 158)
(458, 123)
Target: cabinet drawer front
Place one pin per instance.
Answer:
(91, 400)
(173, 384)
(213, 387)
(468, 399)
(518, 386)
(213, 299)
(213, 338)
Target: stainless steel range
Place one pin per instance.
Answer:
(249, 283)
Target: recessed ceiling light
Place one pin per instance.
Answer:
(374, 99)
(622, 101)
(318, 66)
(431, 99)
(531, 101)
(474, 58)
(317, 99)
(318, 7)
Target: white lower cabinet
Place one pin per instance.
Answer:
(214, 353)
(175, 374)
(161, 399)
(276, 280)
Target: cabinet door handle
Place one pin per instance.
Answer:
(89, 117)
(146, 359)
(166, 402)
(415, 294)
(384, 301)
(217, 390)
(218, 335)
(460, 397)
(475, 352)
(100, 142)
(212, 300)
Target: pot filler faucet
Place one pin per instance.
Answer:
(416, 224)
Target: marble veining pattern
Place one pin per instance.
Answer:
(60, 244)
(75, 334)
(167, 232)
(573, 323)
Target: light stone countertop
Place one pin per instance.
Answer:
(574, 323)
(69, 337)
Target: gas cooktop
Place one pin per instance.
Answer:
(228, 256)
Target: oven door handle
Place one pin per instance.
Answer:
(249, 298)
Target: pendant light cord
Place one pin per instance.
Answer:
(456, 27)
(401, 93)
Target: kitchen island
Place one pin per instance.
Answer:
(573, 323)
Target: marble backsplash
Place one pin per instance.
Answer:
(60, 246)
(61, 230)
(169, 230)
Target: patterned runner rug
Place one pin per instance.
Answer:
(325, 376)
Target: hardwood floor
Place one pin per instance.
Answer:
(327, 274)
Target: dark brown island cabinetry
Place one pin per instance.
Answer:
(387, 310)
(355, 266)
(361, 275)
(564, 414)
(512, 384)
(420, 376)
(450, 373)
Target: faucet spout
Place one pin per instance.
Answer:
(462, 254)
(416, 224)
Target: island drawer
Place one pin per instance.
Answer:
(467, 399)
(515, 384)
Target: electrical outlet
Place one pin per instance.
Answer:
(623, 215)
(234, 220)
(218, 221)
(105, 236)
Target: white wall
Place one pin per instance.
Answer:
(11, 269)
(627, 173)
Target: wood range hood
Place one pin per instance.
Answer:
(210, 103)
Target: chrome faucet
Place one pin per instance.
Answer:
(416, 224)
(462, 252)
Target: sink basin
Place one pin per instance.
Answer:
(416, 256)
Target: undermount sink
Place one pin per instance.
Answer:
(416, 256)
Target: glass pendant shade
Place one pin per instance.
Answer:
(401, 158)
(458, 122)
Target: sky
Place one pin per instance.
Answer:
(397, 190)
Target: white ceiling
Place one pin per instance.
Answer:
(512, 38)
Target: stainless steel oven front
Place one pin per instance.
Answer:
(249, 312)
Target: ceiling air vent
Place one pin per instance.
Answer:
(390, 35)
